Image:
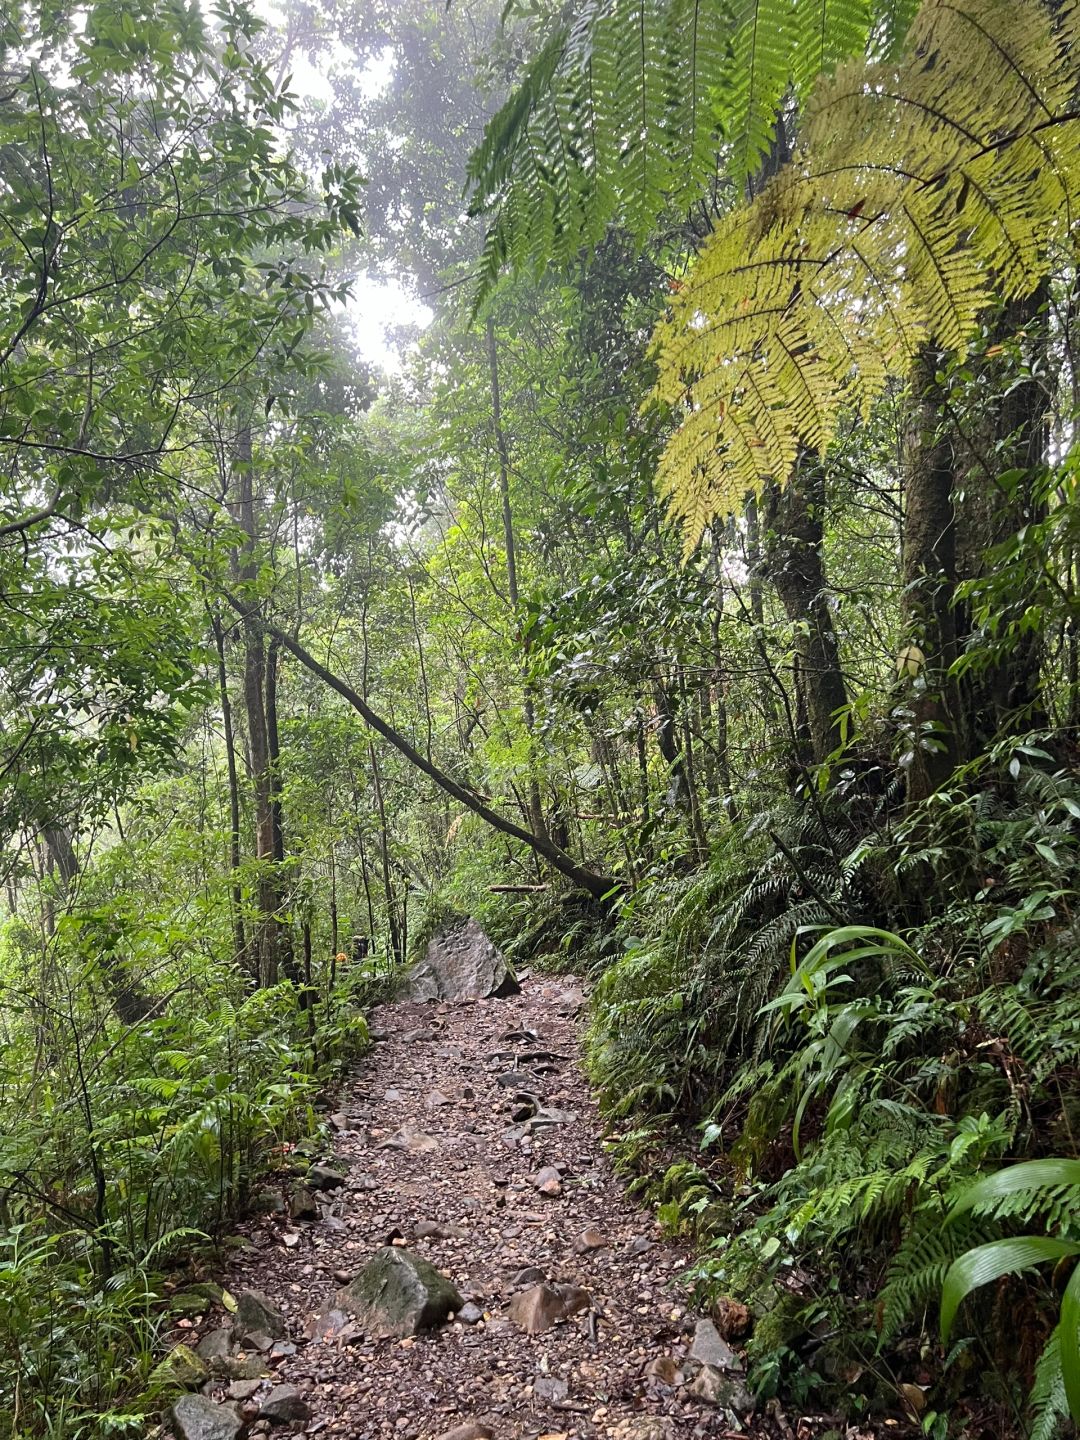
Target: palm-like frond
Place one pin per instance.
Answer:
(919, 192)
(633, 107)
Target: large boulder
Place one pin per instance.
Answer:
(461, 964)
(397, 1294)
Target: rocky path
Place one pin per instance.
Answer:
(468, 1139)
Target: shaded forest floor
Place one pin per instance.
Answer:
(439, 1152)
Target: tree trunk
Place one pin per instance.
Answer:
(282, 937)
(384, 854)
(969, 486)
(929, 575)
(255, 712)
(236, 897)
(996, 466)
(795, 565)
(536, 808)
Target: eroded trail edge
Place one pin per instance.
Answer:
(468, 1135)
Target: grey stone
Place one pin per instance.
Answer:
(217, 1344)
(243, 1389)
(548, 1181)
(461, 963)
(267, 1201)
(197, 1417)
(710, 1348)
(241, 1367)
(302, 1203)
(439, 1230)
(727, 1392)
(470, 1313)
(545, 1117)
(322, 1177)
(409, 1138)
(550, 1388)
(258, 1315)
(285, 1406)
(398, 1293)
(531, 1275)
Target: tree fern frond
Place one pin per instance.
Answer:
(655, 99)
(919, 192)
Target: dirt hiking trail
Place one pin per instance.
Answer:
(468, 1135)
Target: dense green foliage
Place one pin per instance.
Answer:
(297, 655)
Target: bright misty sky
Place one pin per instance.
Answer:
(377, 305)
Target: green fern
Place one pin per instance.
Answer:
(801, 306)
(634, 108)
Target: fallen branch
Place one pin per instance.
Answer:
(598, 886)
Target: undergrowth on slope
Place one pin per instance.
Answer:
(126, 1151)
(842, 1087)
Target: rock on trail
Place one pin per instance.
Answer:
(493, 1284)
(461, 963)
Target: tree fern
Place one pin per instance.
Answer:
(633, 107)
(920, 190)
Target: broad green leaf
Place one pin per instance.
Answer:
(986, 1263)
(1015, 1179)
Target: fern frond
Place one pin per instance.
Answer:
(919, 192)
(634, 108)
(918, 1268)
(1047, 1401)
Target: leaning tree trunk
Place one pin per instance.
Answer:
(795, 564)
(600, 887)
